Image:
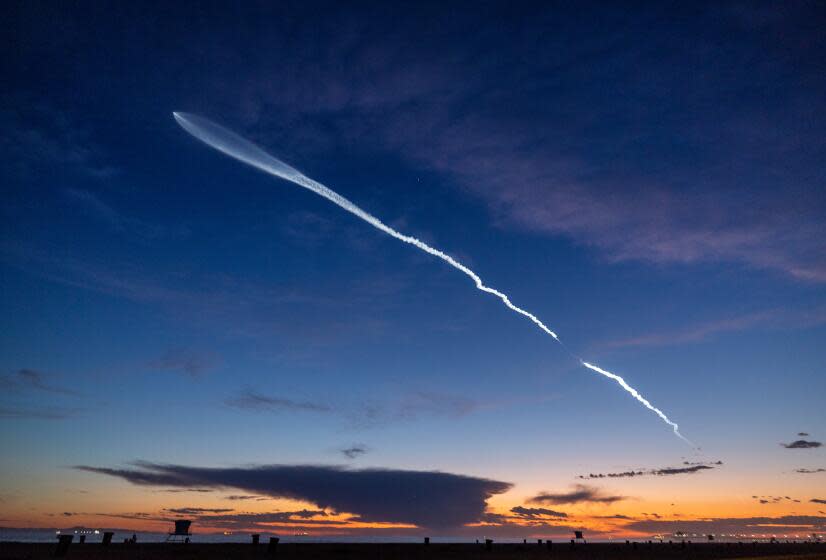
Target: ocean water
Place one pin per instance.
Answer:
(50, 535)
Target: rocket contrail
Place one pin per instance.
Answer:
(241, 149)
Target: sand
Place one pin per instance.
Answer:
(293, 551)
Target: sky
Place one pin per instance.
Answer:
(185, 336)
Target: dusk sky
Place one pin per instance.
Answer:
(184, 335)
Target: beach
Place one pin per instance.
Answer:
(399, 551)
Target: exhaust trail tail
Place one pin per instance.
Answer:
(239, 148)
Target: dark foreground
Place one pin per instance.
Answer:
(389, 551)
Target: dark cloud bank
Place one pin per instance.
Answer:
(422, 498)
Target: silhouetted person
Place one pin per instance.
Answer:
(107, 538)
(272, 548)
(489, 544)
(255, 539)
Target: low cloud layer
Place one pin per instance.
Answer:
(422, 498)
(744, 525)
(580, 493)
(197, 510)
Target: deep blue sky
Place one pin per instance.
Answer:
(648, 181)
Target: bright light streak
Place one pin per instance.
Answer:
(243, 150)
(639, 397)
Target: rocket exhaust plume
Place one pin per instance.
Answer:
(243, 150)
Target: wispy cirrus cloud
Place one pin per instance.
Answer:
(39, 135)
(252, 400)
(584, 165)
(22, 392)
(410, 407)
(26, 379)
(94, 206)
(39, 413)
(192, 363)
(775, 319)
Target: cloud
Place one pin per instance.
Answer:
(817, 501)
(38, 135)
(365, 415)
(802, 444)
(667, 471)
(42, 413)
(267, 520)
(185, 490)
(29, 379)
(802, 434)
(355, 450)
(421, 498)
(532, 513)
(747, 525)
(118, 222)
(773, 319)
(196, 510)
(581, 493)
(251, 400)
(584, 164)
(411, 407)
(810, 471)
(775, 499)
(187, 362)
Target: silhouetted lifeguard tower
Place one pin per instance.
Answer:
(181, 533)
(578, 537)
